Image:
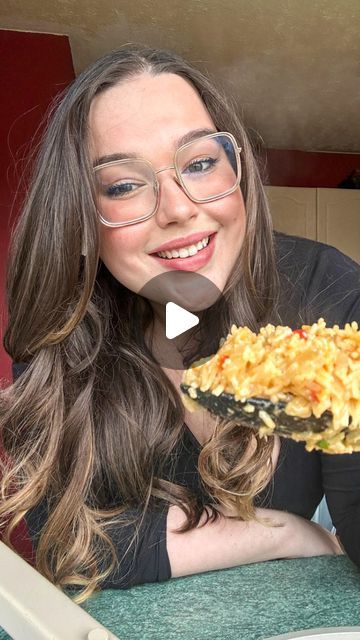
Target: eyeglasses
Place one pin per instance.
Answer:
(128, 190)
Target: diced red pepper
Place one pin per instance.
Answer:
(301, 333)
(222, 359)
(314, 396)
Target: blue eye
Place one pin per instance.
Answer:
(121, 189)
(201, 165)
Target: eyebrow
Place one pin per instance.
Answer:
(188, 137)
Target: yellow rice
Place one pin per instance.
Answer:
(313, 370)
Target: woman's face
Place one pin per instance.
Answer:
(147, 117)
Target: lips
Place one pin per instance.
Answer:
(192, 263)
(183, 242)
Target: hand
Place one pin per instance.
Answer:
(306, 538)
(323, 539)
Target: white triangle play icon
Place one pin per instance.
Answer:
(178, 320)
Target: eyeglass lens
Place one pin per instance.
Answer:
(207, 168)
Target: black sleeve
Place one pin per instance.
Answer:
(333, 292)
(341, 482)
(317, 281)
(323, 282)
(140, 539)
(141, 559)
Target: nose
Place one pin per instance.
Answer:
(174, 204)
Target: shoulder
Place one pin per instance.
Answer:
(319, 279)
(297, 251)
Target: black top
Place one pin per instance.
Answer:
(317, 281)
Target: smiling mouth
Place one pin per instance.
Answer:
(184, 252)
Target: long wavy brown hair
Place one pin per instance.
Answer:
(75, 428)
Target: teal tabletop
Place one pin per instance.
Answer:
(250, 602)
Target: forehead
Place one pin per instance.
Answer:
(145, 115)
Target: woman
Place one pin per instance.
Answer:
(104, 457)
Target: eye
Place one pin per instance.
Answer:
(200, 165)
(122, 189)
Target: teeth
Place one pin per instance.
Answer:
(184, 252)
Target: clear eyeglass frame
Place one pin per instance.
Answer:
(178, 179)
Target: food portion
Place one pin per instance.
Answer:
(314, 371)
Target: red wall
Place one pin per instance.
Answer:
(35, 67)
(286, 168)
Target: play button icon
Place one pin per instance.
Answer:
(185, 314)
(178, 320)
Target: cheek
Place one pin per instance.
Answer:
(116, 245)
(119, 251)
(230, 210)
